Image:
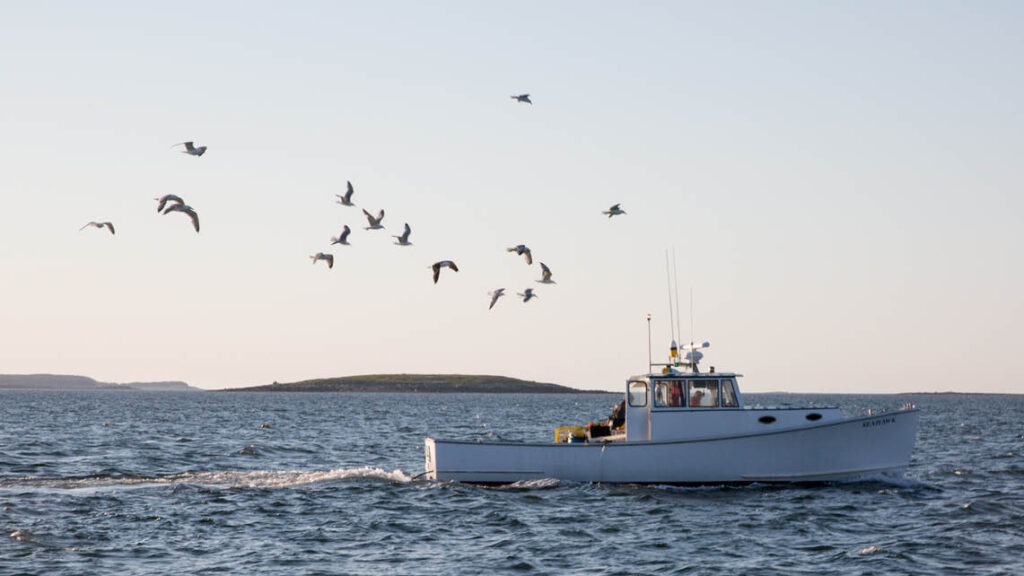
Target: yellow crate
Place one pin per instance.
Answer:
(563, 433)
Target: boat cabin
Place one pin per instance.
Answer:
(677, 406)
(674, 406)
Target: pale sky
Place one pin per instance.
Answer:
(841, 183)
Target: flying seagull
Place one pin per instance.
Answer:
(343, 237)
(106, 225)
(545, 274)
(438, 265)
(346, 200)
(495, 295)
(192, 150)
(185, 209)
(527, 295)
(522, 98)
(374, 222)
(329, 258)
(403, 240)
(522, 250)
(163, 200)
(613, 211)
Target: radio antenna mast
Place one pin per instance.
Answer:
(668, 280)
(675, 280)
(650, 361)
(691, 314)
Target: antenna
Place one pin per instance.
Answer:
(675, 280)
(650, 362)
(668, 280)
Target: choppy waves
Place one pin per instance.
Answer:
(112, 483)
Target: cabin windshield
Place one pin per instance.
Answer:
(729, 395)
(669, 393)
(703, 393)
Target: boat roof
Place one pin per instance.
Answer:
(676, 375)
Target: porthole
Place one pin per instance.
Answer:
(814, 416)
(766, 419)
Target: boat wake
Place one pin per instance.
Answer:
(223, 479)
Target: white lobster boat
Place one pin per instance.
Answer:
(692, 428)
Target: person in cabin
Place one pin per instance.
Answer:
(696, 397)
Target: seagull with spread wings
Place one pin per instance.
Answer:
(106, 225)
(403, 240)
(329, 258)
(545, 274)
(436, 266)
(191, 149)
(614, 211)
(522, 250)
(163, 200)
(526, 296)
(343, 237)
(346, 199)
(185, 209)
(495, 295)
(374, 222)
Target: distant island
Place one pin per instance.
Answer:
(418, 383)
(68, 382)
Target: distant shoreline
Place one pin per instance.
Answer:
(419, 384)
(68, 383)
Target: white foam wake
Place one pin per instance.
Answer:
(286, 478)
(225, 479)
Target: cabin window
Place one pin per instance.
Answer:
(703, 393)
(660, 392)
(638, 394)
(669, 393)
(729, 395)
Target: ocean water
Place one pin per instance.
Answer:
(247, 483)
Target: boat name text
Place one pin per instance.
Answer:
(879, 422)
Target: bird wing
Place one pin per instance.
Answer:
(437, 271)
(350, 190)
(195, 218)
(529, 256)
(345, 233)
(86, 226)
(110, 226)
(453, 266)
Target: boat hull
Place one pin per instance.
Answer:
(871, 447)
